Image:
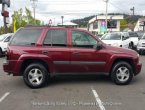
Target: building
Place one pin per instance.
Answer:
(97, 25)
(140, 25)
(69, 24)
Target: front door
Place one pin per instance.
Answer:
(84, 56)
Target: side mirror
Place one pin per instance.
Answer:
(99, 46)
(123, 38)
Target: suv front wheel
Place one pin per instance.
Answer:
(35, 75)
(122, 73)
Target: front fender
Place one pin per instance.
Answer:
(114, 58)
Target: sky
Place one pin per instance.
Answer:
(73, 9)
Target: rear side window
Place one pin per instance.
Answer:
(26, 37)
(56, 38)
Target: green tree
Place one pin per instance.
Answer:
(2, 30)
(123, 24)
(24, 19)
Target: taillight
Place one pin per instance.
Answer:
(7, 54)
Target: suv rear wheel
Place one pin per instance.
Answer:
(35, 75)
(122, 73)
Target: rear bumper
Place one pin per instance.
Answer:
(6, 66)
(9, 67)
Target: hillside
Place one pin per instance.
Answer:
(129, 19)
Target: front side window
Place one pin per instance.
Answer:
(56, 38)
(83, 40)
(26, 37)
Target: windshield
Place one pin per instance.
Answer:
(2, 37)
(112, 36)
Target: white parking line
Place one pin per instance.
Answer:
(4, 96)
(98, 100)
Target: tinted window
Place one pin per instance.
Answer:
(56, 38)
(133, 34)
(112, 24)
(26, 37)
(81, 39)
(112, 36)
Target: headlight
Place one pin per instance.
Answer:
(139, 44)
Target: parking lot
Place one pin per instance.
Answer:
(73, 93)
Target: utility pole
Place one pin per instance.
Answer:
(132, 9)
(106, 13)
(5, 13)
(4, 18)
(54, 21)
(62, 19)
(34, 7)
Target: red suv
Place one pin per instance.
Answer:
(38, 53)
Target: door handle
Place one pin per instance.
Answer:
(45, 52)
(76, 53)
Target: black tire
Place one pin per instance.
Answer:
(41, 71)
(1, 53)
(115, 73)
(131, 45)
(140, 52)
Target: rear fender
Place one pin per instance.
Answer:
(25, 57)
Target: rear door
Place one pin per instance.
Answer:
(55, 46)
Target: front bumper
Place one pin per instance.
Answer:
(140, 48)
(138, 68)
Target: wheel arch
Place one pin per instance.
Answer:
(27, 62)
(128, 60)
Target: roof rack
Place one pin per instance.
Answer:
(31, 25)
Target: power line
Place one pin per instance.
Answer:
(124, 11)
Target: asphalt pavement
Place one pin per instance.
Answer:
(73, 93)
